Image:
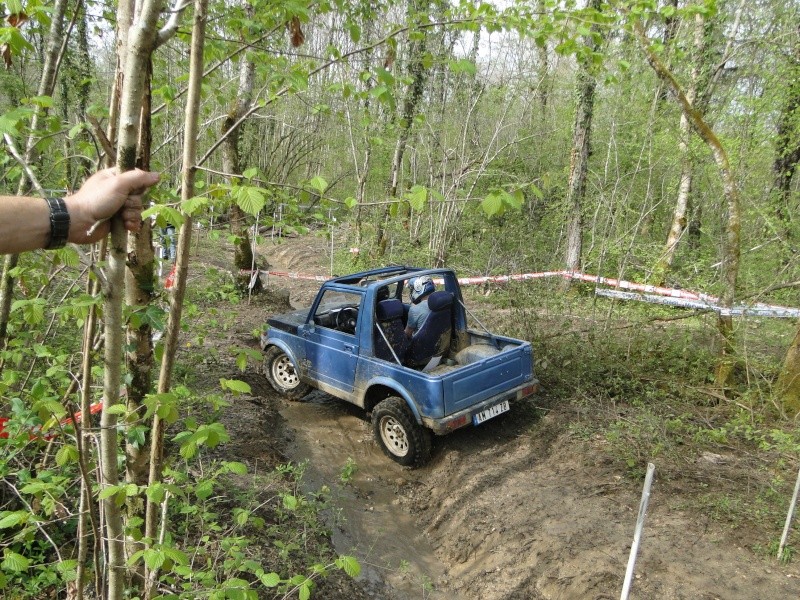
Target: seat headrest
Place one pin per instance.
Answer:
(389, 309)
(439, 300)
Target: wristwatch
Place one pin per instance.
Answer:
(59, 223)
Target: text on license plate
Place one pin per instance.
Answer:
(490, 412)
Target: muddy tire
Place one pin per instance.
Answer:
(282, 375)
(399, 435)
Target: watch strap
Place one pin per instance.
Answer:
(59, 223)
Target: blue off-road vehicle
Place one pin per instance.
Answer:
(352, 344)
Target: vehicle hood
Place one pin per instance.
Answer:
(288, 321)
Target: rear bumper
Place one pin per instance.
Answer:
(464, 417)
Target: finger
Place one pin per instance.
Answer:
(132, 223)
(134, 202)
(132, 214)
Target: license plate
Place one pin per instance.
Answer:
(490, 412)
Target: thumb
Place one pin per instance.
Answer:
(137, 179)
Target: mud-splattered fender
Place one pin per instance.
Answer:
(387, 382)
(287, 349)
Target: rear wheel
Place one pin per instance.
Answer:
(399, 435)
(282, 375)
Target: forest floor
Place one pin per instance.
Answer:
(529, 505)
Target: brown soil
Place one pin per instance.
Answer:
(519, 507)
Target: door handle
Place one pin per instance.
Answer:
(349, 348)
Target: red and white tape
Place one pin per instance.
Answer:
(686, 298)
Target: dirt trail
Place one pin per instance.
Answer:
(516, 508)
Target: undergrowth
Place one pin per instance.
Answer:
(637, 382)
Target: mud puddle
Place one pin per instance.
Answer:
(368, 521)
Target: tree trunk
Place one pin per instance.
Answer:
(787, 143)
(731, 242)
(141, 43)
(579, 156)
(139, 293)
(680, 212)
(418, 76)
(243, 251)
(788, 386)
(182, 266)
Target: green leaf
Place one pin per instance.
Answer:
(417, 196)
(164, 214)
(250, 173)
(68, 569)
(236, 468)
(514, 200)
(462, 66)
(235, 386)
(350, 202)
(154, 559)
(177, 556)
(13, 519)
(289, 502)
(66, 454)
(193, 205)
(250, 199)
(43, 101)
(349, 565)
(109, 491)
(204, 489)
(14, 562)
(156, 493)
(75, 130)
(304, 593)
(270, 580)
(9, 121)
(319, 184)
(492, 204)
(116, 409)
(354, 31)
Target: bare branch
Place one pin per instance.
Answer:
(26, 167)
(171, 26)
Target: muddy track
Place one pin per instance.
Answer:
(518, 508)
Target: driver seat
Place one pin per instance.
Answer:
(389, 318)
(433, 337)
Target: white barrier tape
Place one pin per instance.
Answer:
(666, 296)
(759, 310)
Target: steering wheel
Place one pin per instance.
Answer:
(346, 319)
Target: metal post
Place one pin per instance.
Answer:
(789, 517)
(637, 536)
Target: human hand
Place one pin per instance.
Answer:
(101, 197)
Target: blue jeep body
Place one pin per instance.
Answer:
(332, 346)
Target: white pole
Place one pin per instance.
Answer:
(789, 517)
(637, 536)
(333, 220)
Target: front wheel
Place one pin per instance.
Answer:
(282, 375)
(399, 435)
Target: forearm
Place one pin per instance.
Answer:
(25, 223)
